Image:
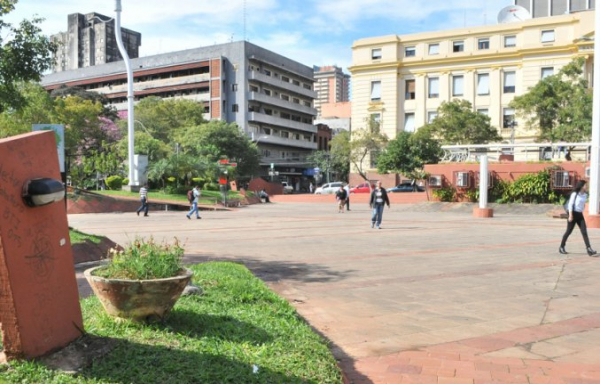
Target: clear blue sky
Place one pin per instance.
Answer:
(313, 32)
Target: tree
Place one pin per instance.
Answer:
(408, 153)
(457, 123)
(366, 142)
(337, 159)
(38, 109)
(108, 111)
(559, 106)
(24, 57)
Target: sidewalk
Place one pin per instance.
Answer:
(433, 297)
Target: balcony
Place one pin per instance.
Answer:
(276, 140)
(262, 98)
(257, 76)
(279, 122)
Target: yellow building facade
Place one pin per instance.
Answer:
(402, 80)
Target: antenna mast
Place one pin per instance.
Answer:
(244, 20)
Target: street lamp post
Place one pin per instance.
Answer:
(130, 119)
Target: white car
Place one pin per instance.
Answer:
(287, 188)
(329, 188)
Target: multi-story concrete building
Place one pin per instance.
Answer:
(402, 80)
(90, 40)
(269, 96)
(332, 86)
(544, 8)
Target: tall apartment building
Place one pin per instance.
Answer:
(269, 96)
(545, 8)
(90, 40)
(402, 80)
(332, 86)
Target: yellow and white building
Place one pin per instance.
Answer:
(401, 80)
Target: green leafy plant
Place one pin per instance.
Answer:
(472, 195)
(114, 182)
(531, 188)
(144, 259)
(446, 194)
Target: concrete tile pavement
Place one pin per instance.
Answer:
(433, 297)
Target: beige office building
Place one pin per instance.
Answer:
(402, 80)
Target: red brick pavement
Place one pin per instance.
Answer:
(463, 362)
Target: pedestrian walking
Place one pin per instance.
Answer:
(341, 197)
(347, 189)
(196, 192)
(575, 207)
(143, 200)
(379, 198)
(311, 187)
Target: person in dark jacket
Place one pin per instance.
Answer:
(379, 198)
(341, 197)
(576, 205)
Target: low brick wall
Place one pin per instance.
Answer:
(88, 202)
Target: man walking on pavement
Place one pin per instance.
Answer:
(144, 200)
(197, 193)
(379, 198)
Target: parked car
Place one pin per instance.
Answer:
(329, 188)
(406, 186)
(287, 188)
(362, 188)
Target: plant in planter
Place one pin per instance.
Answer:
(141, 282)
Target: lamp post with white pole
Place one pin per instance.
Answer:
(130, 119)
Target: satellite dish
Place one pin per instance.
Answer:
(512, 14)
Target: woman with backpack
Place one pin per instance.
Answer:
(575, 207)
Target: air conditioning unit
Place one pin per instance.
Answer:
(587, 172)
(561, 180)
(490, 180)
(463, 179)
(435, 181)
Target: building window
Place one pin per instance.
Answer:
(268, 112)
(483, 44)
(295, 101)
(434, 49)
(409, 122)
(375, 90)
(509, 82)
(483, 83)
(253, 88)
(307, 86)
(434, 87)
(483, 111)
(431, 115)
(285, 134)
(508, 120)
(267, 92)
(234, 108)
(267, 72)
(410, 89)
(307, 104)
(548, 36)
(510, 41)
(376, 54)
(548, 71)
(296, 82)
(234, 87)
(410, 52)
(285, 79)
(457, 85)
(458, 46)
(375, 120)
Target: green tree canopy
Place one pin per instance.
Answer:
(559, 106)
(457, 123)
(365, 146)
(337, 159)
(408, 153)
(24, 55)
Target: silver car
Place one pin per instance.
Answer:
(329, 188)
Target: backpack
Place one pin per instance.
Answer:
(190, 196)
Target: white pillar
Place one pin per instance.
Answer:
(595, 148)
(483, 182)
(130, 120)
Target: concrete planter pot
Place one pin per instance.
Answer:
(138, 300)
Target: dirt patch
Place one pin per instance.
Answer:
(79, 354)
(89, 251)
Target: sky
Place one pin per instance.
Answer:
(312, 32)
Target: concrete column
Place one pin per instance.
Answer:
(482, 210)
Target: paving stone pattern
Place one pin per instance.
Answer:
(435, 296)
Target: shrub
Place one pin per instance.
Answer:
(114, 182)
(211, 186)
(531, 188)
(125, 181)
(143, 260)
(447, 194)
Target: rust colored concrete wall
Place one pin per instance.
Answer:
(92, 203)
(387, 181)
(258, 184)
(39, 303)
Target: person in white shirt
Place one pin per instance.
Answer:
(576, 205)
(143, 200)
(197, 193)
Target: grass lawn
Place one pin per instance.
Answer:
(238, 331)
(211, 196)
(80, 237)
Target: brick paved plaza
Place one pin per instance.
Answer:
(433, 297)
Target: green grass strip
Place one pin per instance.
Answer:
(238, 331)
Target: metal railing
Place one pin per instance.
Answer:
(524, 151)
